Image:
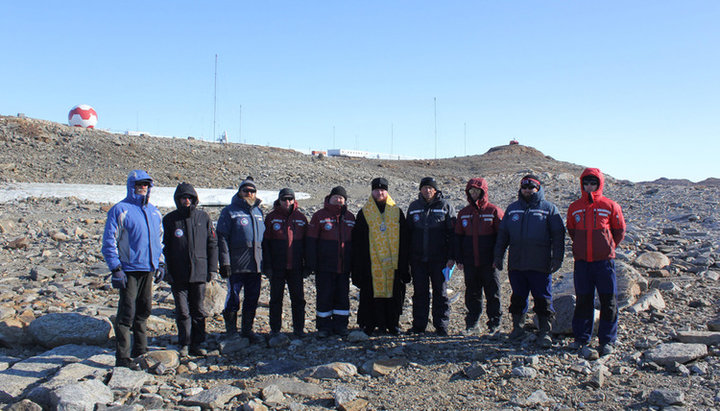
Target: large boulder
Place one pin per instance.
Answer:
(630, 283)
(56, 329)
(564, 310)
(214, 302)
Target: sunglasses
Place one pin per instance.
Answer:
(528, 186)
(590, 183)
(248, 190)
(186, 198)
(287, 199)
(142, 184)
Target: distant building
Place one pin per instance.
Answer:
(341, 152)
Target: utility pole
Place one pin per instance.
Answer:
(214, 99)
(435, 113)
(392, 135)
(465, 136)
(240, 126)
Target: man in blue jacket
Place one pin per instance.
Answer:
(534, 230)
(240, 230)
(132, 247)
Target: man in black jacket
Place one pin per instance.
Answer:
(191, 253)
(431, 221)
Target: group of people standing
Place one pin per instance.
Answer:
(380, 250)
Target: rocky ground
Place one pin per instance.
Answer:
(56, 305)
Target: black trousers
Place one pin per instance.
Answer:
(333, 301)
(382, 314)
(294, 281)
(424, 274)
(189, 312)
(132, 314)
(478, 280)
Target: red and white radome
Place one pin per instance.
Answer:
(82, 115)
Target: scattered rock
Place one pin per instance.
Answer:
(652, 299)
(652, 260)
(357, 336)
(82, 395)
(475, 371)
(41, 273)
(19, 243)
(668, 353)
(334, 370)
(213, 398)
(278, 340)
(273, 396)
(699, 337)
(233, 345)
(125, 379)
(666, 397)
(293, 386)
(167, 358)
(524, 372)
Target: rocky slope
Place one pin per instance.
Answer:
(54, 291)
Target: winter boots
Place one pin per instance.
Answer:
(230, 318)
(518, 331)
(544, 339)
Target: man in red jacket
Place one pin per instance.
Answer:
(596, 225)
(328, 248)
(284, 256)
(476, 230)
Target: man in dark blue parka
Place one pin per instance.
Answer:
(534, 230)
(240, 230)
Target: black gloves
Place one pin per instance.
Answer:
(160, 273)
(225, 271)
(119, 279)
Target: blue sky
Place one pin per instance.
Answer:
(630, 87)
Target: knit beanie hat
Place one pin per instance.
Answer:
(428, 181)
(286, 192)
(249, 181)
(339, 190)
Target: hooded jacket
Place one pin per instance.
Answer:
(431, 227)
(534, 232)
(191, 249)
(240, 229)
(133, 234)
(477, 227)
(284, 240)
(595, 223)
(328, 245)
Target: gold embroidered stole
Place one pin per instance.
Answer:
(384, 233)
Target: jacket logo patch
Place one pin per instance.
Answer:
(577, 218)
(416, 217)
(179, 233)
(277, 226)
(464, 222)
(244, 221)
(300, 223)
(328, 226)
(516, 217)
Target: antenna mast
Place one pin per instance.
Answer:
(214, 99)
